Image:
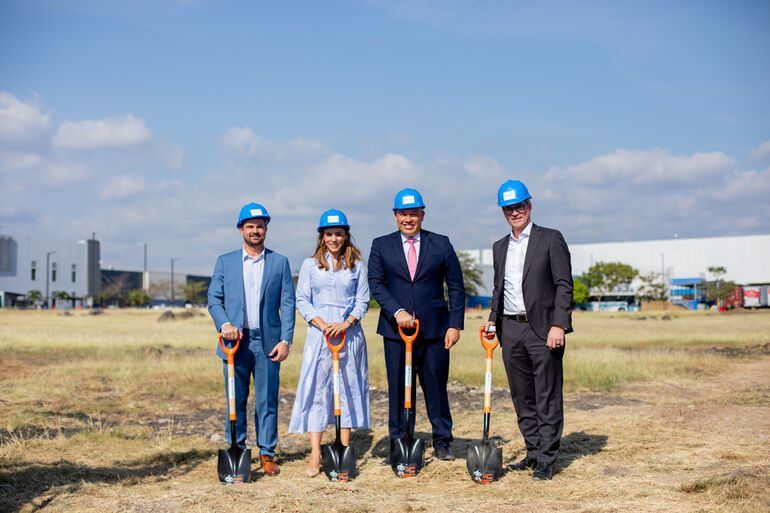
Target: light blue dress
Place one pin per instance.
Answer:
(332, 295)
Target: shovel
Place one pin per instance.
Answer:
(338, 461)
(484, 460)
(233, 464)
(407, 454)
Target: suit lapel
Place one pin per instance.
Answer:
(424, 241)
(268, 271)
(398, 247)
(237, 262)
(534, 239)
(502, 257)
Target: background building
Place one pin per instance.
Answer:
(61, 272)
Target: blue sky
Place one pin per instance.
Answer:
(155, 121)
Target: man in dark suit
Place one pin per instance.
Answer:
(407, 272)
(531, 311)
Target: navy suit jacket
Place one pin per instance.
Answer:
(546, 282)
(227, 299)
(391, 286)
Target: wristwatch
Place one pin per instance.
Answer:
(352, 320)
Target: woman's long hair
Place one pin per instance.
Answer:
(349, 253)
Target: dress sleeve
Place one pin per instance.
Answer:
(362, 292)
(305, 291)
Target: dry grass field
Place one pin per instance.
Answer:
(116, 412)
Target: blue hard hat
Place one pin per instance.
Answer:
(250, 211)
(333, 217)
(512, 192)
(408, 198)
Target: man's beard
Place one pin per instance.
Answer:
(254, 245)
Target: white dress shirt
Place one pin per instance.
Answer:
(514, 273)
(253, 269)
(406, 246)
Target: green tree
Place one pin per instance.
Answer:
(472, 274)
(34, 296)
(580, 293)
(194, 292)
(717, 288)
(605, 277)
(138, 297)
(653, 287)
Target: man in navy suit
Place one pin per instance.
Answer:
(407, 272)
(252, 296)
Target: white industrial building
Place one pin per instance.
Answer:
(746, 258)
(51, 267)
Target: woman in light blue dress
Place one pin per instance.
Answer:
(332, 296)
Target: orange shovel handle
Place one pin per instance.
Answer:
(410, 338)
(336, 369)
(230, 351)
(489, 346)
(335, 349)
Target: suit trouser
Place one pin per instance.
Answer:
(430, 361)
(535, 378)
(251, 360)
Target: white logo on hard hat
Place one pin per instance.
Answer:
(256, 212)
(407, 200)
(333, 219)
(509, 195)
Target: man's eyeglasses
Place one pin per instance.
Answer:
(521, 208)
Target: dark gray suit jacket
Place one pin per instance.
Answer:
(546, 284)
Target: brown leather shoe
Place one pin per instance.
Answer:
(270, 467)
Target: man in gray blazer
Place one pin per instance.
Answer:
(252, 296)
(531, 312)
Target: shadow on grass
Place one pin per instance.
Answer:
(22, 484)
(361, 441)
(459, 445)
(577, 445)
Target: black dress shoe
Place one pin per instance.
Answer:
(444, 453)
(543, 472)
(525, 464)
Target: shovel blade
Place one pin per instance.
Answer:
(234, 465)
(407, 456)
(485, 462)
(338, 462)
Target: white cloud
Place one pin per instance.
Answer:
(90, 134)
(245, 142)
(63, 173)
(761, 152)
(122, 186)
(656, 168)
(20, 122)
(15, 161)
(635, 194)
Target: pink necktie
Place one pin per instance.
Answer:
(411, 259)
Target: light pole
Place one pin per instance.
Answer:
(145, 276)
(172, 280)
(47, 276)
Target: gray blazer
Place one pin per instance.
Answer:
(546, 283)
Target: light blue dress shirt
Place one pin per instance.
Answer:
(253, 270)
